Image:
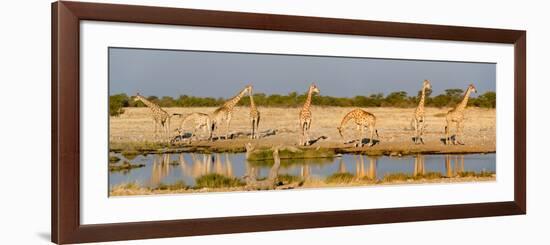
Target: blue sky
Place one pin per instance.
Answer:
(222, 74)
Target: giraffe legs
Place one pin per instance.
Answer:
(227, 129)
(257, 127)
(371, 129)
(420, 134)
(418, 124)
(211, 128)
(308, 125)
(305, 124)
(252, 135)
(167, 128)
(304, 132)
(361, 133)
(459, 131)
(447, 128)
(415, 125)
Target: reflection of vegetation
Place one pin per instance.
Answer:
(217, 181)
(113, 159)
(130, 155)
(178, 185)
(267, 154)
(293, 162)
(395, 99)
(340, 178)
(124, 166)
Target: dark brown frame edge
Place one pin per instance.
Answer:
(66, 227)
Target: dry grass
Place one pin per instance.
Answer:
(135, 127)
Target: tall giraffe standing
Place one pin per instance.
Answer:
(418, 119)
(362, 119)
(305, 115)
(160, 117)
(254, 117)
(224, 112)
(456, 116)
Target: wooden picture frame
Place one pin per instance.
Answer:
(65, 174)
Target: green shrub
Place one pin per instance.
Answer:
(396, 177)
(428, 175)
(217, 181)
(116, 103)
(294, 99)
(178, 185)
(340, 178)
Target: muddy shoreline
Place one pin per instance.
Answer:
(239, 146)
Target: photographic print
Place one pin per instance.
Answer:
(185, 121)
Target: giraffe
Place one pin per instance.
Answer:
(456, 115)
(160, 116)
(200, 121)
(254, 117)
(224, 112)
(362, 119)
(418, 120)
(305, 115)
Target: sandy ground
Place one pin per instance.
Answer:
(393, 125)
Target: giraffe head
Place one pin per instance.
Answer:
(471, 87)
(248, 89)
(314, 89)
(427, 84)
(136, 98)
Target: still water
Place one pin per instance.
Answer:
(170, 168)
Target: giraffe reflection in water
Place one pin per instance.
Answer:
(221, 163)
(201, 164)
(454, 165)
(419, 166)
(187, 167)
(361, 169)
(160, 169)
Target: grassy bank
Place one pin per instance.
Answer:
(220, 183)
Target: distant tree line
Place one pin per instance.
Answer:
(395, 99)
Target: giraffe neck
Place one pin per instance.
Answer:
(233, 101)
(345, 120)
(422, 97)
(252, 105)
(464, 102)
(307, 104)
(149, 104)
